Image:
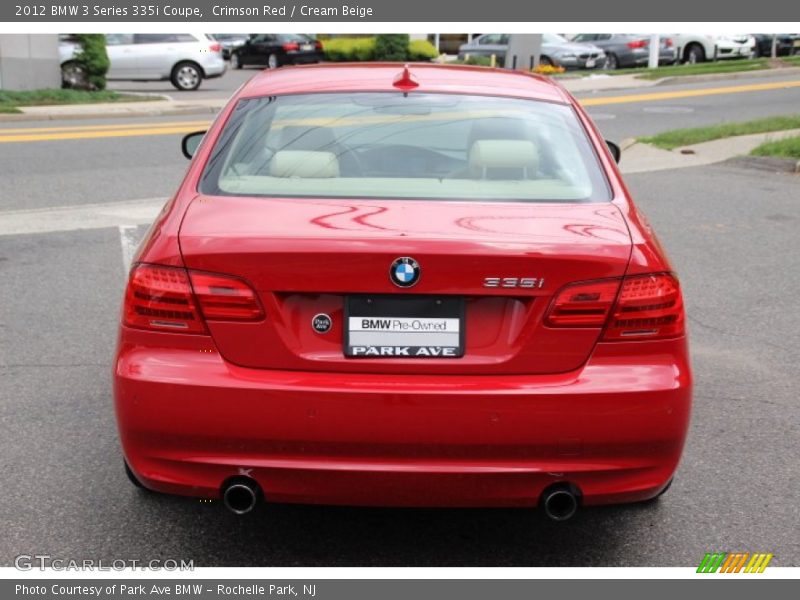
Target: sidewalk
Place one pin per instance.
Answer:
(156, 108)
(640, 158)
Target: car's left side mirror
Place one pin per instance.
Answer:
(190, 143)
(615, 151)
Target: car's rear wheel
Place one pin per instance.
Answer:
(695, 54)
(187, 76)
(612, 63)
(73, 75)
(546, 61)
(236, 62)
(272, 61)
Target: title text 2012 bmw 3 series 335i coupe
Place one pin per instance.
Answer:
(402, 286)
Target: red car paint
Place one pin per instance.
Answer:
(534, 401)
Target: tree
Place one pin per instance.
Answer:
(393, 47)
(92, 60)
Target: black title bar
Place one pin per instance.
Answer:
(437, 11)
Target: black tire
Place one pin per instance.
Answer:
(132, 477)
(695, 54)
(612, 62)
(236, 61)
(73, 75)
(546, 61)
(273, 62)
(186, 76)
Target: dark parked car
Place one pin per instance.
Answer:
(274, 50)
(230, 41)
(787, 44)
(628, 50)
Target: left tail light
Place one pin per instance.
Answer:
(174, 299)
(637, 44)
(215, 47)
(290, 46)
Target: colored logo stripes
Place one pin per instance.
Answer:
(734, 562)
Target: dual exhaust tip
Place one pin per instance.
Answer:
(560, 501)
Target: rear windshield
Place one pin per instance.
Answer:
(391, 145)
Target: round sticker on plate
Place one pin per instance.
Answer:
(321, 323)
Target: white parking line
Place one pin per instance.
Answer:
(84, 216)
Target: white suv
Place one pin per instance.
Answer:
(185, 59)
(695, 48)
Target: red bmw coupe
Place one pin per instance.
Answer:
(402, 285)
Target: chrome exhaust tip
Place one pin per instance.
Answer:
(240, 496)
(560, 502)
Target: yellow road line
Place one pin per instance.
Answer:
(78, 132)
(80, 135)
(652, 97)
(102, 127)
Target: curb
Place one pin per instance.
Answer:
(777, 72)
(181, 110)
(765, 163)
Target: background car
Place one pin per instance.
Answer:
(627, 49)
(185, 59)
(694, 48)
(787, 44)
(230, 41)
(274, 50)
(556, 51)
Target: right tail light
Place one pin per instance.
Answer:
(648, 307)
(640, 307)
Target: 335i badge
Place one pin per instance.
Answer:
(527, 347)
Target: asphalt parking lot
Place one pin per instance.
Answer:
(730, 230)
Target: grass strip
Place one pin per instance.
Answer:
(676, 138)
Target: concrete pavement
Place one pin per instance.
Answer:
(641, 158)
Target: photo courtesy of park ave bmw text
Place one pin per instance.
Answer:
(353, 298)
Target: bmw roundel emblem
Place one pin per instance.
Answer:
(404, 271)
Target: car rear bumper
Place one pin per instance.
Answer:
(189, 420)
(214, 66)
(302, 58)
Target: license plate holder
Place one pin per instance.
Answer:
(381, 326)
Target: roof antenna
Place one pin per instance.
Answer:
(405, 81)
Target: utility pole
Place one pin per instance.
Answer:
(655, 50)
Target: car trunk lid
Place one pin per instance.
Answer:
(305, 257)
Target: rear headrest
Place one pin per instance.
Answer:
(304, 163)
(503, 154)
